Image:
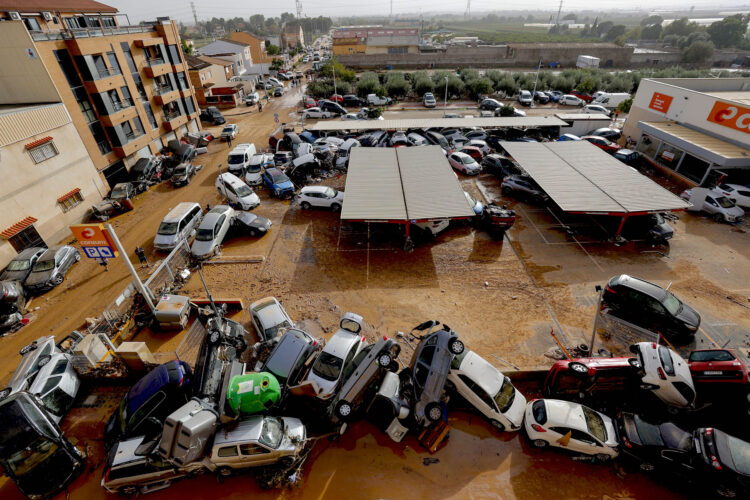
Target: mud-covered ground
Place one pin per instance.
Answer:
(502, 297)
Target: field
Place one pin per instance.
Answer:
(509, 33)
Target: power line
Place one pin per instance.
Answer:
(298, 5)
(468, 8)
(557, 23)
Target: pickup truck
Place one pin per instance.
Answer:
(377, 100)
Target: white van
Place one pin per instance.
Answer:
(237, 192)
(239, 158)
(611, 101)
(276, 83)
(254, 172)
(179, 224)
(342, 159)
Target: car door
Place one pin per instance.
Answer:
(584, 442)
(252, 454)
(557, 435)
(478, 398)
(220, 230)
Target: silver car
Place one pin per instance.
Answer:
(257, 441)
(49, 271)
(269, 318)
(20, 267)
(57, 385)
(211, 232)
(33, 357)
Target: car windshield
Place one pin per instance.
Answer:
(505, 397)
(205, 234)
(236, 159)
(595, 424)
(327, 366)
(119, 191)
(180, 171)
(56, 401)
(649, 433)
(254, 168)
(43, 265)
(272, 432)
(740, 451)
(659, 219)
(18, 265)
(724, 202)
(330, 192)
(167, 228)
(666, 360)
(718, 355)
(280, 178)
(671, 303)
(466, 160)
(243, 190)
(227, 130)
(26, 459)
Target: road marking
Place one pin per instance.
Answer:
(579, 244)
(709, 337)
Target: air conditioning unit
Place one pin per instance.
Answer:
(47, 16)
(14, 16)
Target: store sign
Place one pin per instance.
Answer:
(94, 240)
(660, 102)
(668, 155)
(730, 115)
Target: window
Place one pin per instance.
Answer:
(481, 394)
(84, 104)
(174, 54)
(666, 360)
(182, 81)
(139, 87)
(420, 374)
(31, 24)
(43, 152)
(138, 125)
(108, 22)
(150, 115)
(101, 65)
(648, 146)
(113, 62)
(189, 105)
(100, 137)
(428, 352)
(582, 437)
(127, 101)
(68, 202)
(142, 413)
(127, 129)
(128, 57)
(27, 238)
(693, 168)
(68, 68)
(252, 449)
(668, 155)
(227, 451)
(398, 50)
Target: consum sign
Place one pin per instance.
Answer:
(660, 102)
(730, 115)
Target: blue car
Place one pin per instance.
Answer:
(147, 404)
(307, 136)
(569, 137)
(278, 183)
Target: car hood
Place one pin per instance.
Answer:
(178, 177)
(325, 387)
(283, 186)
(516, 410)
(689, 315)
(165, 239)
(202, 248)
(294, 434)
(39, 278)
(13, 275)
(663, 229)
(735, 210)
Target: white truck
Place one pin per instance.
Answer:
(377, 100)
(611, 100)
(587, 62)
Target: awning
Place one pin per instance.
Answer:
(424, 123)
(18, 227)
(581, 178)
(38, 142)
(402, 184)
(698, 144)
(68, 195)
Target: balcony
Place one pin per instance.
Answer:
(135, 142)
(164, 94)
(68, 34)
(156, 67)
(122, 112)
(174, 120)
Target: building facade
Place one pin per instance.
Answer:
(49, 180)
(126, 87)
(292, 36)
(696, 130)
(231, 50)
(375, 40)
(257, 46)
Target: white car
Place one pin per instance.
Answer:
(56, 385)
(229, 131)
(236, 191)
(429, 100)
(350, 116)
(255, 166)
(455, 137)
(337, 355)
(570, 100)
(316, 112)
(488, 390)
(574, 427)
(417, 140)
(718, 206)
(252, 98)
(596, 109)
(739, 194)
(525, 98)
(320, 196)
(665, 373)
(481, 145)
(464, 163)
(212, 231)
(275, 82)
(269, 318)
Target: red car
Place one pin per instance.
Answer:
(593, 376)
(337, 98)
(309, 102)
(584, 97)
(717, 365)
(473, 151)
(602, 143)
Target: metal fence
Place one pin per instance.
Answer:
(619, 334)
(169, 275)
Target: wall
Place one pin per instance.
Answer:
(31, 189)
(24, 79)
(257, 46)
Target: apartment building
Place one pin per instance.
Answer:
(208, 77)
(126, 87)
(238, 53)
(257, 46)
(292, 36)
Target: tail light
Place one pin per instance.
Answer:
(626, 442)
(715, 463)
(653, 345)
(106, 476)
(315, 342)
(538, 428)
(709, 431)
(610, 289)
(385, 337)
(662, 375)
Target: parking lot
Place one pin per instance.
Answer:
(502, 297)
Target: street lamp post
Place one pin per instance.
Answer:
(445, 101)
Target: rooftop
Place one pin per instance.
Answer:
(55, 6)
(194, 62)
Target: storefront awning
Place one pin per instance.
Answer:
(18, 227)
(698, 144)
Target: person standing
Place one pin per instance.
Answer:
(141, 254)
(103, 262)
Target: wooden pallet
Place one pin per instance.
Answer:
(431, 437)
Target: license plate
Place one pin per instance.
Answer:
(712, 372)
(697, 445)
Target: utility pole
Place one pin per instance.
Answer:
(557, 22)
(468, 8)
(195, 15)
(391, 16)
(298, 4)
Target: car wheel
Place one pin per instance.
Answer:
(718, 218)
(43, 360)
(635, 364)
(5, 393)
(286, 462)
(394, 366)
(128, 490)
(58, 279)
(646, 466)
(539, 443)
(578, 368)
(28, 348)
(78, 257)
(601, 457)
(497, 425)
(253, 233)
(433, 412)
(214, 337)
(506, 190)
(456, 346)
(335, 207)
(344, 410)
(726, 491)
(224, 471)
(384, 359)
(305, 205)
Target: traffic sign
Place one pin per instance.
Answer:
(94, 240)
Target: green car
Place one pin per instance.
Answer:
(253, 392)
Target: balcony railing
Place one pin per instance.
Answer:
(168, 117)
(120, 105)
(156, 61)
(104, 147)
(67, 34)
(162, 89)
(107, 72)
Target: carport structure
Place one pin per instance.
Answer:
(425, 123)
(402, 186)
(582, 179)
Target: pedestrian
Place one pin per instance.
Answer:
(628, 140)
(141, 254)
(208, 207)
(617, 113)
(229, 141)
(260, 107)
(103, 262)
(276, 117)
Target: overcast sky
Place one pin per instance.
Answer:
(139, 10)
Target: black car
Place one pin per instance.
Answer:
(725, 461)
(335, 108)
(20, 267)
(649, 227)
(353, 101)
(499, 166)
(145, 169)
(627, 156)
(541, 97)
(655, 445)
(278, 91)
(250, 224)
(613, 134)
(649, 306)
(429, 369)
(34, 453)
(290, 359)
(212, 115)
(490, 104)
